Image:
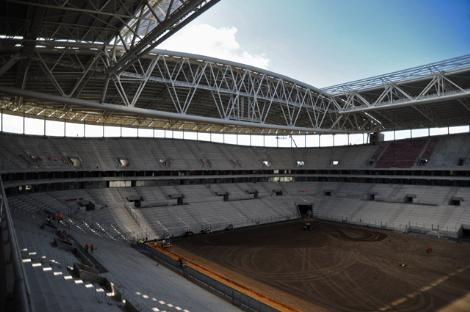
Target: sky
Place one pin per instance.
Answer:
(326, 42)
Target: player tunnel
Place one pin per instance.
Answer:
(465, 232)
(305, 210)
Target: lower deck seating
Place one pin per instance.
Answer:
(54, 288)
(399, 207)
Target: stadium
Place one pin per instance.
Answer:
(134, 178)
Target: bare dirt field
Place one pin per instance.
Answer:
(338, 267)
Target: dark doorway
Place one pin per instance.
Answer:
(466, 233)
(305, 210)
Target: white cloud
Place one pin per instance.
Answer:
(208, 40)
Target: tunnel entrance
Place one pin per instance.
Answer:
(465, 233)
(305, 210)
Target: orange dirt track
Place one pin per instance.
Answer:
(338, 267)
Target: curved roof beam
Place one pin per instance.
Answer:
(154, 22)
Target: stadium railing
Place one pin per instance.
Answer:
(16, 295)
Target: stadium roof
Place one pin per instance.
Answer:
(136, 25)
(95, 62)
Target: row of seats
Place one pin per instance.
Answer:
(431, 209)
(28, 152)
(53, 287)
(31, 153)
(394, 206)
(401, 154)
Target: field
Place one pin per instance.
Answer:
(337, 267)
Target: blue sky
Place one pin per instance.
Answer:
(324, 42)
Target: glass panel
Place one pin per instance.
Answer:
(217, 137)
(326, 140)
(388, 136)
(257, 140)
(111, 131)
(458, 129)
(94, 131)
(178, 135)
(34, 126)
(203, 136)
(402, 134)
(313, 140)
(159, 133)
(299, 140)
(74, 129)
(190, 135)
(340, 139)
(13, 124)
(145, 133)
(129, 132)
(270, 141)
(283, 141)
(230, 138)
(244, 139)
(418, 133)
(55, 128)
(439, 131)
(356, 138)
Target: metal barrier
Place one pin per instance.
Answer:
(17, 296)
(237, 294)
